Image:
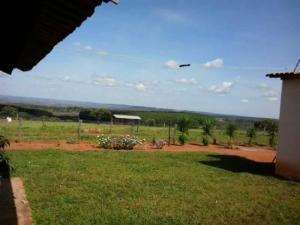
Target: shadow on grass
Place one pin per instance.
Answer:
(8, 214)
(239, 164)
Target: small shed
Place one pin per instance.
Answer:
(126, 119)
(288, 154)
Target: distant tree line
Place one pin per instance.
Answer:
(95, 115)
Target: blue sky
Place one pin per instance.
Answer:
(129, 54)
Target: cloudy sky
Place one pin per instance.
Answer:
(130, 54)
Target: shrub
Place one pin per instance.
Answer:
(159, 144)
(5, 165)
(230, 132)
(183, 138)
(205, 141)
(183, 125)
(272, 129)
(251, 134)
(119, 142)
(104, 142)
(4, 142)
(207, 127)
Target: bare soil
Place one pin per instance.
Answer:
(258, 154)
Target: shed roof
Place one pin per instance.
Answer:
(30, 29)
(126, 117)
(286, 75)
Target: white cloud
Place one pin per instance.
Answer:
(216, 63)
(224, 88)
(172, 64)
(186, 81)
(245, 100)
(105, 81)
(140, 87)
(270, 93)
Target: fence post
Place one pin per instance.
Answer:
(79, 130)
(169, 132)
(19, 127)
(174, 134)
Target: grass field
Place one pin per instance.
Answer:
(55, 131)
(152, 188)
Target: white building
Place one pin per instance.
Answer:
(288, 155)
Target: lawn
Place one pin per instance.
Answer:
(111, 187)
(68, 131)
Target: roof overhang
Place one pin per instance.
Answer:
(31, 28)
(284, 76)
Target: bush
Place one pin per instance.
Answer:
(119, 142)
(230, 132)
(183, 138)
(5, 165)
(104, 142)
(159, 144)
(4, 142)
(183, 124)
(205, 141)
(207, 127)
(251, 134)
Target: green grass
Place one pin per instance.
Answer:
(55, 131)
(153, 188)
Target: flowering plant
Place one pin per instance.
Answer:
(119, 142)
(104, 141)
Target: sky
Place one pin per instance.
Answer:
(130, 54)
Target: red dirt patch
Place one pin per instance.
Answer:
(258, 154)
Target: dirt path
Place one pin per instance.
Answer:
(258, 154)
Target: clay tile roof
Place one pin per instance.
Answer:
(31, 28)
(286, 75)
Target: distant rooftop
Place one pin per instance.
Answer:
(285, 75)
(126, 117)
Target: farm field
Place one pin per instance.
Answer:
(113, 187)
(68, 131)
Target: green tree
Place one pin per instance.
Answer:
(272, 129)
(251, 134)
(9, 111)
(183, 124)
(207, 127)
(230, 132)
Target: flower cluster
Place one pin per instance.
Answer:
(119, 142)
(104, 141)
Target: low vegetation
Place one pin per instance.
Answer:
(126, 142)
(5, 165)
(153, 188)
(68, 131)
(230, 131)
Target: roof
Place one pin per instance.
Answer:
(286, 75)
(30, 29)
(126, 117)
